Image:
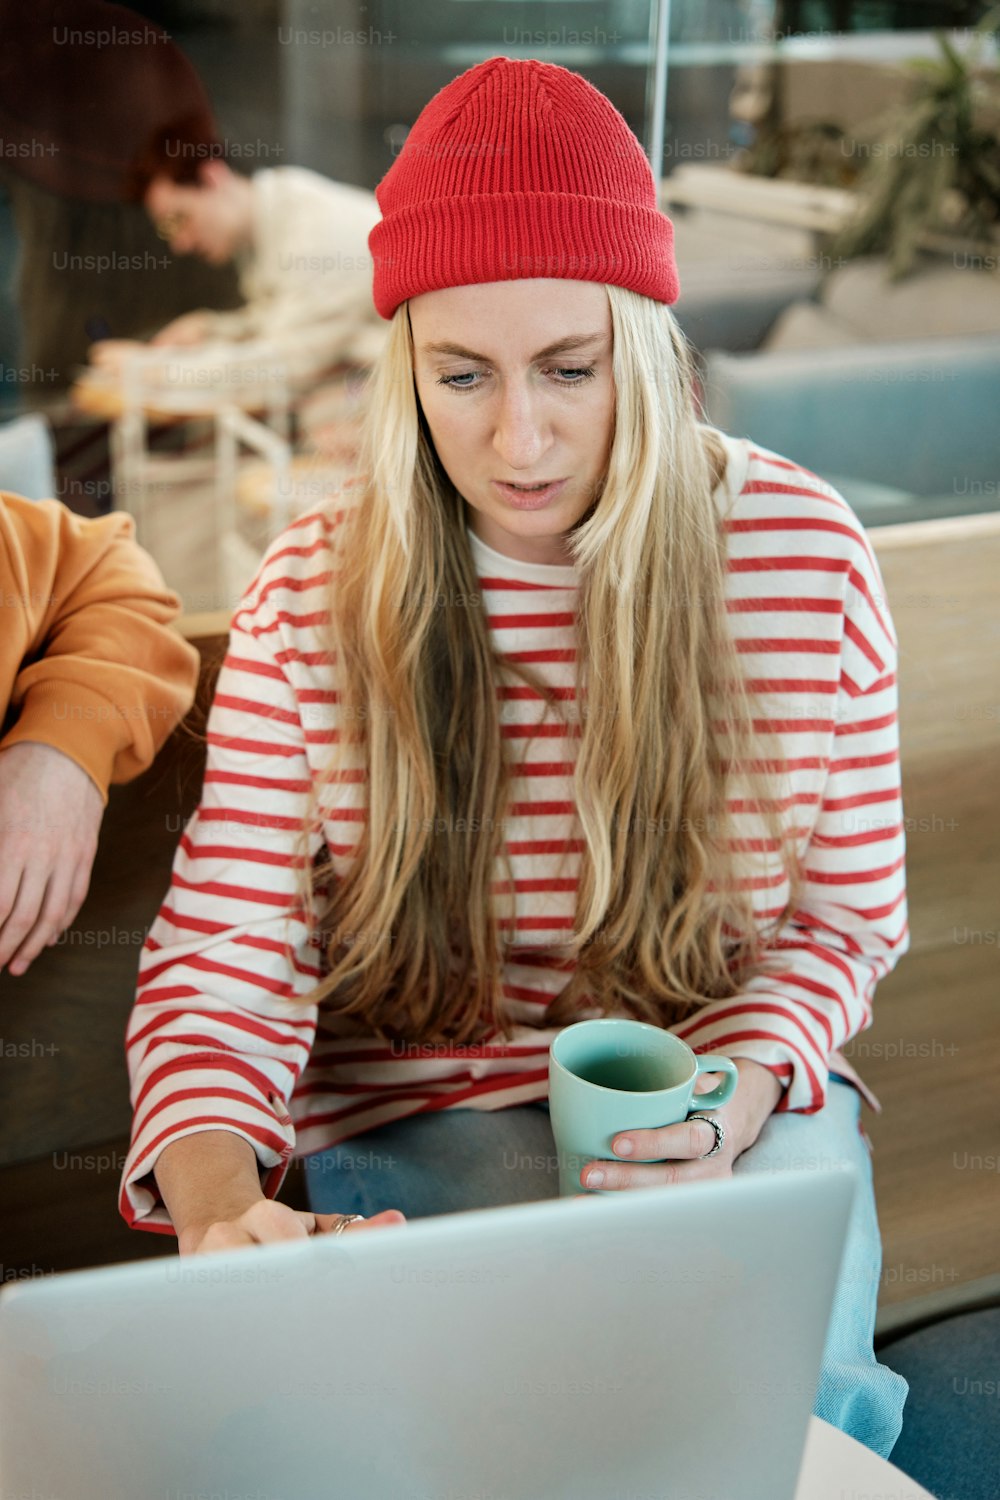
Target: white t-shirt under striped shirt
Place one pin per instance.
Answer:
(213, 1041)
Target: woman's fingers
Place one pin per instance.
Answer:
(608, 1176)
(267, 1222)
(686, 1141)
(263, 1223)
(226, 1235)
(672, 1154)
(327, 1223)
(383, 1220)
(270, 1222)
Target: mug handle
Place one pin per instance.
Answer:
(709, 1062)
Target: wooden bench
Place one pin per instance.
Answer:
(932, 1055)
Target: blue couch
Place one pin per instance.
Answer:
(907, 431)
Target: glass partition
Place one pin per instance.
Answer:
(334, 87)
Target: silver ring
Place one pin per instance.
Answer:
(720, 1135)
(345, 1219)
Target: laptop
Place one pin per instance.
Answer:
(655, 1344)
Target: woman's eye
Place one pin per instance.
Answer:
(585, 371)
(568, 375)
(453, 380)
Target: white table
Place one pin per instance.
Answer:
(835, 1467)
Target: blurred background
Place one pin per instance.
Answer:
(833, 170)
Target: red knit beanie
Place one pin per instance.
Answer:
(519, 168)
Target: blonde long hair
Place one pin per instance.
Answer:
(664, 916)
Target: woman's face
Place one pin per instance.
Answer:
(514, 378)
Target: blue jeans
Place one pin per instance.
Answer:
(458, 1159)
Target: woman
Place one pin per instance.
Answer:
(572, 709)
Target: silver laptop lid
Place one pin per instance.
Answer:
(656, 1344)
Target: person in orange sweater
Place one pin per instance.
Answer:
(92, 680)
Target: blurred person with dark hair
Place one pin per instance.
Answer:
(83, 85)
(100, 106)
(299, 241)
(93, 679)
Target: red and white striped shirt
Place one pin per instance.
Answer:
(213, 1041)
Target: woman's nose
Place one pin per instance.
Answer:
(521, 436)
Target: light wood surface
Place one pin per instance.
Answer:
(933, 1053)
(933, 1058)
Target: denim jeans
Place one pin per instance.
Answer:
(456, 1159)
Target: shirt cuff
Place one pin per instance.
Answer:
(84, 725)
(272, 1140)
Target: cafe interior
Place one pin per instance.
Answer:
(832, 172)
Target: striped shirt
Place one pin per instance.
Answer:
(213, 1042)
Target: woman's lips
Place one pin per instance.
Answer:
(528, 499)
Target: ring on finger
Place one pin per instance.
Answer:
(720, 1135)
(344, 1220)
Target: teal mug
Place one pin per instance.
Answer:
(612, 1075)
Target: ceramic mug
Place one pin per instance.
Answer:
(615, 1074)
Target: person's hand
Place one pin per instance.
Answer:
(678, 1151)
(50, 816)
(185, 331)
(266, 1222)
(111, 354)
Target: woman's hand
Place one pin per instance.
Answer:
(680, 1149)
(266, 1222)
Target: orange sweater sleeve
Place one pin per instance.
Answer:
(89, 662)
